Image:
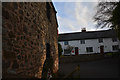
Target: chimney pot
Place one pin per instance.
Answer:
(83, 29)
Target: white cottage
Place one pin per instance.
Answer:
(89, 42)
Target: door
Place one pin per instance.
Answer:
(76, 50)
(101, 49)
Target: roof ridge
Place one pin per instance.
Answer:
(86, 32)
(87, 35)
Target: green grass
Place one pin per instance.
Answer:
(113, 54)
(109, 54)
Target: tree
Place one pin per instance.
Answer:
(108, 15)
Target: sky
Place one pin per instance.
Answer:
(72, 16)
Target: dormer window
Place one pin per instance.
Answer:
(82, 41)
(100, 40)
(114, 39)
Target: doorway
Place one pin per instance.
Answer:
(101, 49)
(76, 50)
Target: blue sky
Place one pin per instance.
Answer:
(72, 16)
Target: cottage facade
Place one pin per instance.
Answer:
(89, 42)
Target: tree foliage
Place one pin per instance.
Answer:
(108, 15)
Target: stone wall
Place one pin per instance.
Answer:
(26, 28)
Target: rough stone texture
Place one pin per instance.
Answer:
(27, 27)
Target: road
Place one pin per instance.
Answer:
(105, 68)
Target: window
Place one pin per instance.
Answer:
(89, 49)
(100, 40)
(66, 43)
(114, 39)
(115, 47)
(82, 41)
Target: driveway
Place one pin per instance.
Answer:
(105, 68)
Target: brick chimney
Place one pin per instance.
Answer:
(83, 29)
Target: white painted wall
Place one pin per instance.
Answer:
(107, 43)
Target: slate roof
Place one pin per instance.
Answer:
(87, 35)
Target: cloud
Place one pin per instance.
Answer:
(84, 13)
(80, 14)
(75, 0)
(72, 16)
(81, 0)
(65, 24)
